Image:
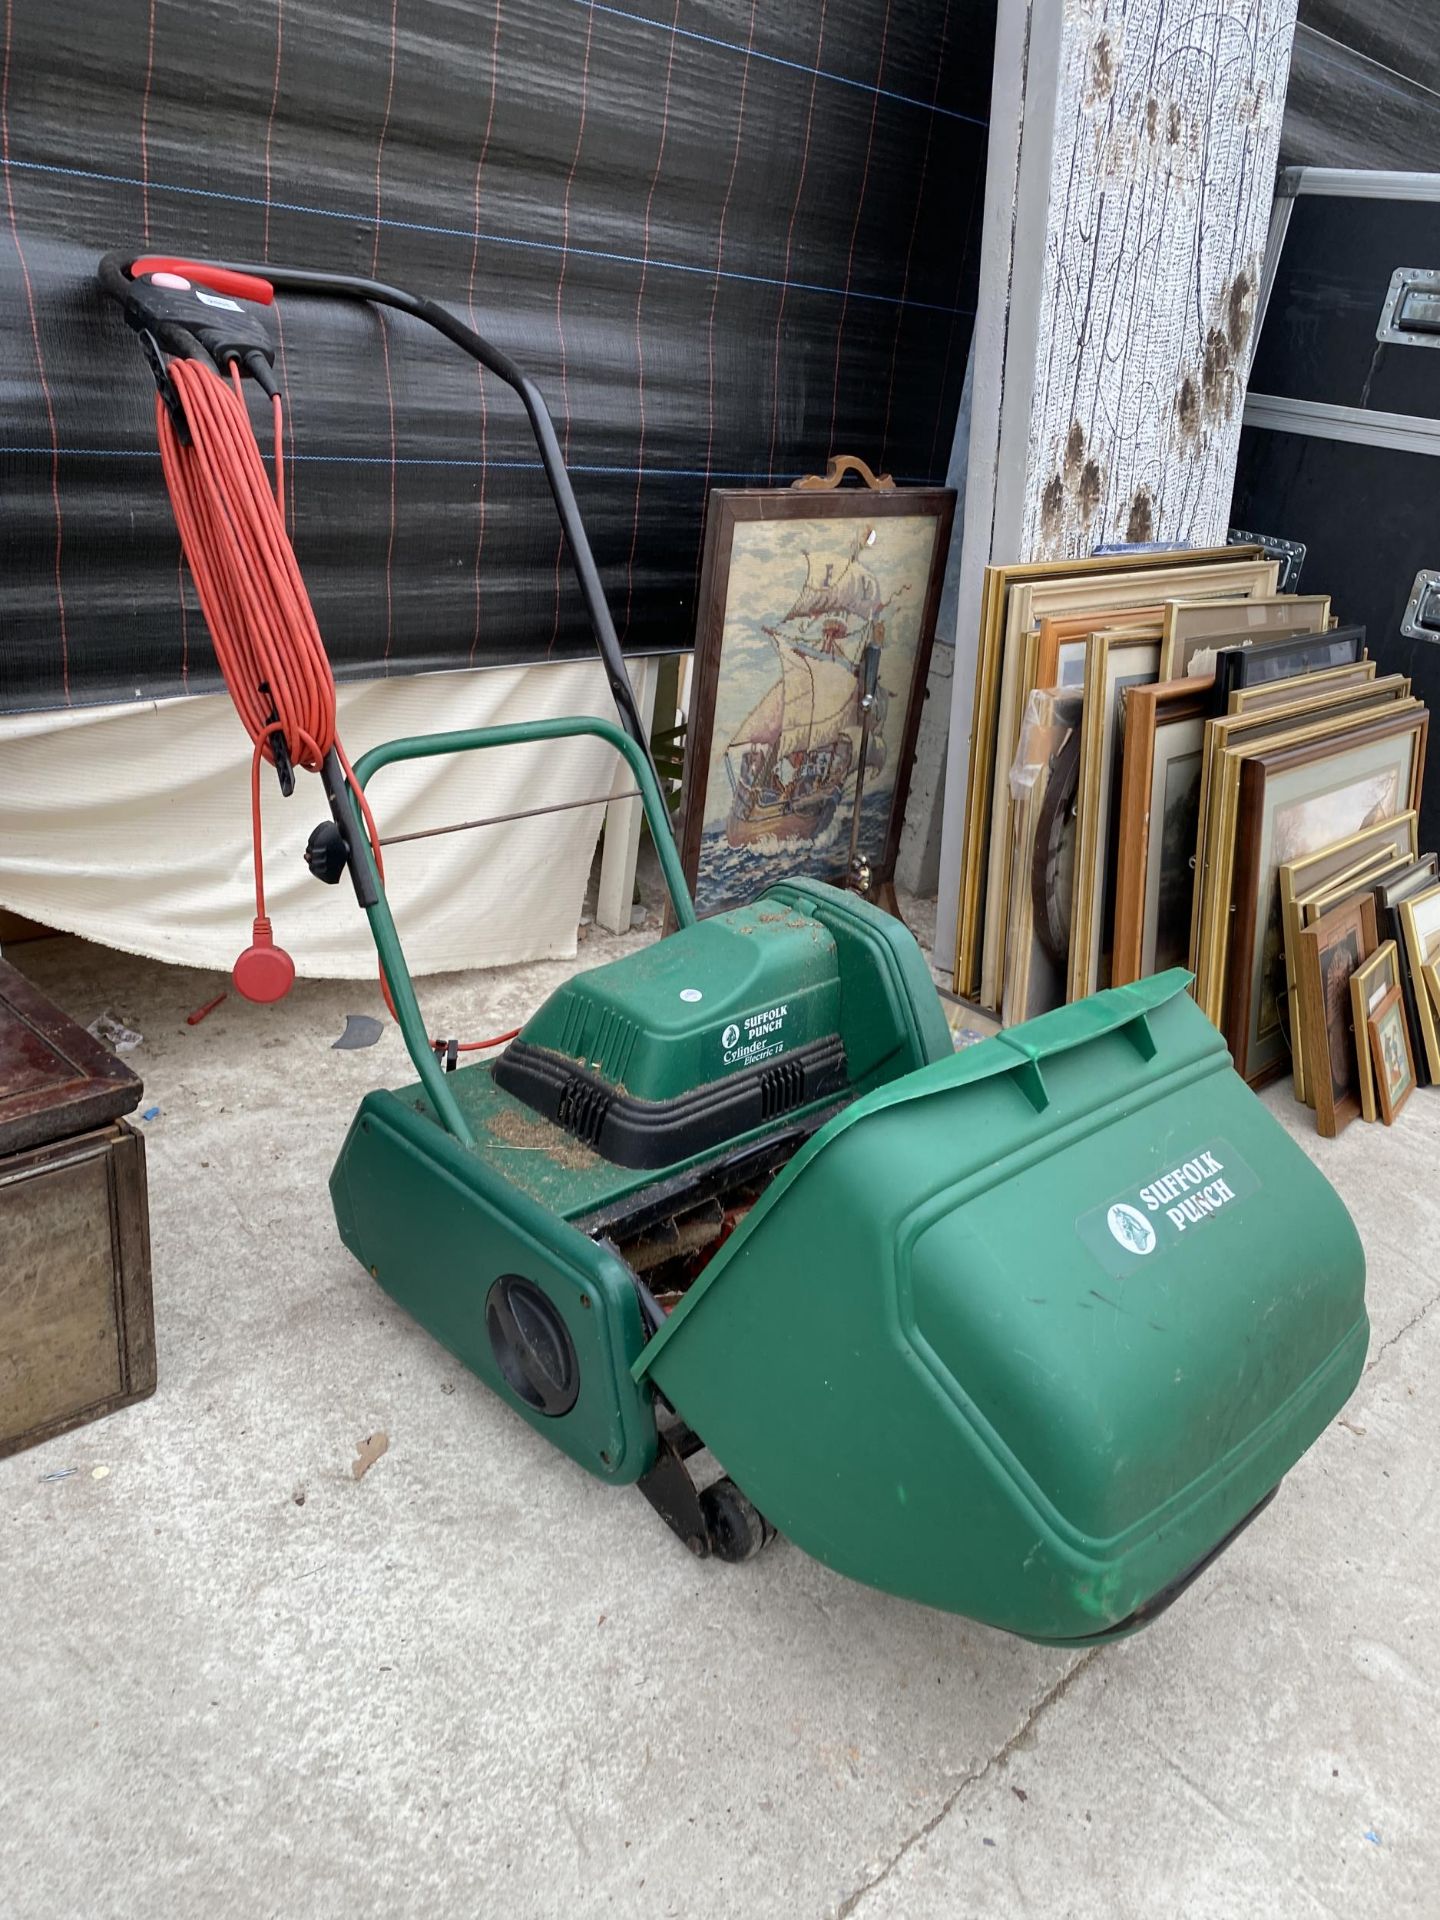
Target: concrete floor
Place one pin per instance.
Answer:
(476, 1682)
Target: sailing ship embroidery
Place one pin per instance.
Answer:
(789, 760)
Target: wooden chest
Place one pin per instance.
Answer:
(77, 1333)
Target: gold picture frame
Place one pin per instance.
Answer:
(1113, 661)
(1271, 694)
(1370, 983)
(1420, 928)
(1391, 1055)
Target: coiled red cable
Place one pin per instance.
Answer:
(267, 642)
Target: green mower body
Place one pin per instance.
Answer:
(1026, 1332)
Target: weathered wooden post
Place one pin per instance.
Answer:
(1132, 161)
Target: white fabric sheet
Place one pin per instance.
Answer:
(131, 825)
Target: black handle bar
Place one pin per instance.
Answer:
(113, 274)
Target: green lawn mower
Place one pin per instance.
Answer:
(1028, 1332)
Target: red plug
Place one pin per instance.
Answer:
(264, 972)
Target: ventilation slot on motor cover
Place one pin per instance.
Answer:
(781, 1088)
(582, 1110)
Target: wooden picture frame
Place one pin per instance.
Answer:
(1330, 951)
(1295, 797)
(1062, 642)
(774, 626)
(1391, 1055)
(1371, 981)
(1420, 927)
(1113, 663)
(1194, 628)
(1164, 750)
(979, 774)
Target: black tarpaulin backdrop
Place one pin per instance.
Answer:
(727, 239)
(1364, 86)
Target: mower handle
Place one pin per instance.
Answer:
(425, 746)
(114, 276)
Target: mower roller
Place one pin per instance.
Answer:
(1028, 1332)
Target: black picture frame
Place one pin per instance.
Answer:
(1285, 658)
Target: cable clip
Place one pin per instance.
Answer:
(279, 746)
(447, 1052)
(164, 385)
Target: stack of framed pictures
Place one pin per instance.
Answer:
(1362, 935)
(1094, 628)
(1175, 765)
(1276, 785)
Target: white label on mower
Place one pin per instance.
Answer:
(217, 300)
(756, 1037)
(1171, 1206)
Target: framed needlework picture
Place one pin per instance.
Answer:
(806, 599)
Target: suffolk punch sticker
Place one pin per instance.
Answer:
(1166, 1207)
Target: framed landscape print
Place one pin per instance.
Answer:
(798, 591)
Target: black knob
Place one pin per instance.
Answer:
(326, 854)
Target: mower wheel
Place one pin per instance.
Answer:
(737, 1529)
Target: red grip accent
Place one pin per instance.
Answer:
(240, 286)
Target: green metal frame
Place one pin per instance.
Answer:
(382, 922)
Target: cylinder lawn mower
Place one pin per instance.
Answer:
(1028, 1332)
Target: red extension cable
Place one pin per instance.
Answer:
(232, 529)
